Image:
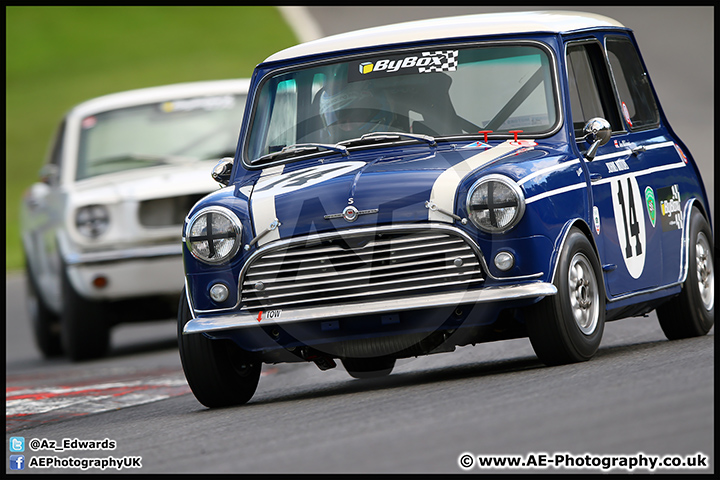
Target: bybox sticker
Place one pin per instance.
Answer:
(670, 208)
(423, 62)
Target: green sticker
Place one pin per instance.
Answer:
(650, 203)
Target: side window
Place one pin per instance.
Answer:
(51, 170)
(589, 88)
(635, 95)
(57, 146)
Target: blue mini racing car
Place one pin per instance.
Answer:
(404, 190)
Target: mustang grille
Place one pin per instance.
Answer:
(356, 268)
(165, 212)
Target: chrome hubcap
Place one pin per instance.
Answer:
(583, 292)
(705, 271)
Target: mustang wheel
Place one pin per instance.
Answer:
(568, 327)
(369, 367)
(45, 323)
(84, 325)
(219, 373)
(692, 313)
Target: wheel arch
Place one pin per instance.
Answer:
(584, 228)
(685, 249)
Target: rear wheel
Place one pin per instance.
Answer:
(568, 326)
(369, 367)
(85, 324)
(45, 323)
(219, 373)
(692, 313)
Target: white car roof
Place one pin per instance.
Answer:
(452, 27)
(159, 94)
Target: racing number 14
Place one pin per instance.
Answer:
(634, 227)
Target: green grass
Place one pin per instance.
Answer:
(60, 56)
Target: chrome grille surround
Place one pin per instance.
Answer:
(362, 264)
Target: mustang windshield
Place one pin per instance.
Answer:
(148, 135)
(441, 93)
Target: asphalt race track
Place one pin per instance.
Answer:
(640, 397)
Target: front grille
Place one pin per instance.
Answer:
(356, 267)
(165, 212)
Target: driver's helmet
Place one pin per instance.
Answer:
(355, 110)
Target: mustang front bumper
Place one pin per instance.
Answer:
(130, 273)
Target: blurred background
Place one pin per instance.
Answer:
(58, 57)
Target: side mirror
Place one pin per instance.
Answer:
(49, 174)
(597, 133)
(222, 170)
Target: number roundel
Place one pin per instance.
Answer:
(630, 223)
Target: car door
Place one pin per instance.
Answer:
(41, 217)
(658, 155)
(623, 218)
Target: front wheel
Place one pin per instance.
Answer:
(85, 324)
(568, 326)
(219, 373)
(45, 323)
(692, 313)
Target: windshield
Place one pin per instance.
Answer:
(441, 93)
(148, 135)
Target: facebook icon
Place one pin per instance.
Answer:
(17, 462)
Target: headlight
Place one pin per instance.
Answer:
(495, 204)
(92, 220)
(213, 235)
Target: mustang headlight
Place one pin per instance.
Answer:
(495, 204)
(213, 235)
(92, 220)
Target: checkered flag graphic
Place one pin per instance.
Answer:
(448, 61)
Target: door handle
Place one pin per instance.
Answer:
(638, 149)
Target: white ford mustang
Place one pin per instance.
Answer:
(101, 228)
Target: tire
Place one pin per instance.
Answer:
(85, 325)
(369, 367)
(568, 326)
(692, 312)
(219, 373)
(45, 323)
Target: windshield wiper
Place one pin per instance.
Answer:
(301, 147)
(388, 135)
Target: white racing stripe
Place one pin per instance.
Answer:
(620, 153)
(545, 171)
(274, 182)
(445, 187)
(604, 181)
(263, 206)
(557, 191)
(640, 173)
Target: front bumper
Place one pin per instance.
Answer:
(498, 294)
(130, 273)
